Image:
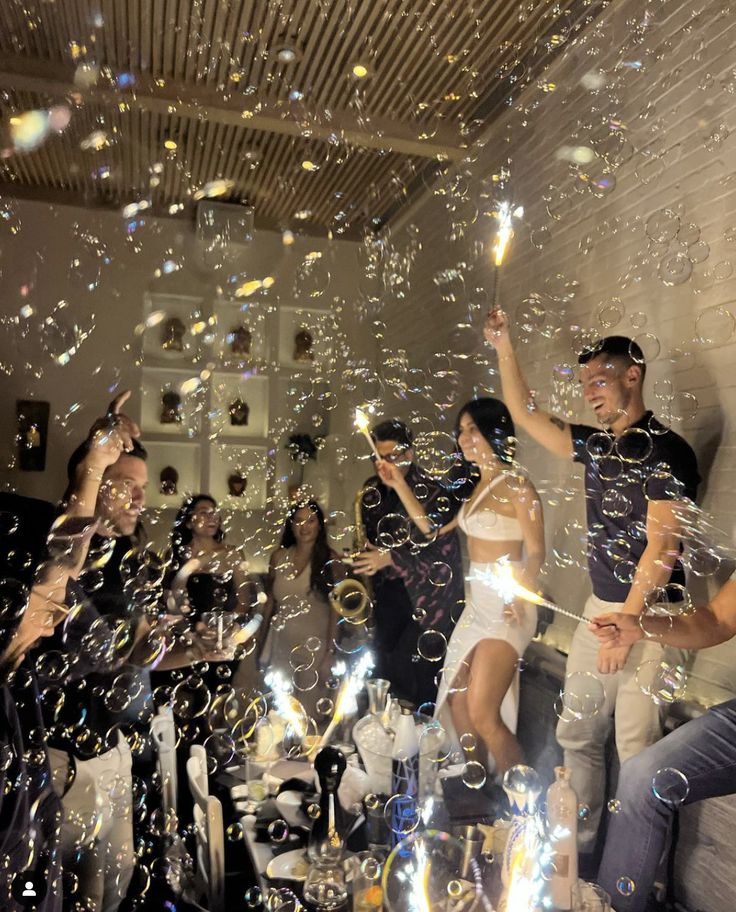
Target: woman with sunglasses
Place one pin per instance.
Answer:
(502, 522)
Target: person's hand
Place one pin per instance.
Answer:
(370, 561)
(612, 658)
(514, 612)
(389, 474)
(111, 435)
(496, 329)
(616, 629)
(42, 613)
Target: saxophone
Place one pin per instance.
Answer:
(351, 597)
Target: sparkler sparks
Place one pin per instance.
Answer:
(501, 579)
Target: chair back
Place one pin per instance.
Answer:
(210, 831)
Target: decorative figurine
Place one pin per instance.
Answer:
(168, 481)
(239, 412)
(241, 339)
(170, 408)
(172, 335)
(303, 342)
(236, 484)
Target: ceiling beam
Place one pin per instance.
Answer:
(57, 196)
(56, 81)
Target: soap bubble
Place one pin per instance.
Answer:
(670, 786)
(715, 325)
(614, 806)
(474, 775)
(583, 696)
(662, 225)
(432, 645)
(661, 681)
(431, 855)
(625, 886)
(402, 814)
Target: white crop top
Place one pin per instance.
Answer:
(487, 524)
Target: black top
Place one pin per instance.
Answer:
(102, 694)
(430, 570)
(647, 462)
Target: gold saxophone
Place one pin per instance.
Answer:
(352, 597)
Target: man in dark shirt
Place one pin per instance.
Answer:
(637, 472)
(417, 580)
(104, 646)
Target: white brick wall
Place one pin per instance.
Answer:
(671, 83)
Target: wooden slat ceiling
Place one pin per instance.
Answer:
(206, 75)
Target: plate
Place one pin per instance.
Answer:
(290, 805)
(291, 769)
(289, 866)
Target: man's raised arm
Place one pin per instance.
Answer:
(548, 430)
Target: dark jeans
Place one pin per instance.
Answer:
(704, 751)
(395, 646)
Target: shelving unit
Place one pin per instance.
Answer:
(213, 382)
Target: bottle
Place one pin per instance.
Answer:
(404, 776)
(325, 887)
(562, 820)
(327, 834)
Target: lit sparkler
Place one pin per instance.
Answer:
(501, 579)
(362, 423)
(287, 706)
(504, 216)
(346, 703)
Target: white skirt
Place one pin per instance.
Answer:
(483, 619)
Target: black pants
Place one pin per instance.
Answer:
(397, 660)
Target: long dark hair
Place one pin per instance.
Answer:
(494, 421)
(319, 580)
(182, 535)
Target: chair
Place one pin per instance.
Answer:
(210, 832)
(163, 731)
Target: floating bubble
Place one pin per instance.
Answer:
(662, 682)
(715, 325)
(432, 858)
(402, 814)
(662, 225)
(392, 531)
(634, 445)
(439, 574)
(278, 831)
(698, 252)
(649, 345)
(583, 696)
(670, 786)
(599, 445)
(625, 886)
(474, 775)
(614, 806)
(615, 503)
(432, 645)
(675, 269)
(610, 314)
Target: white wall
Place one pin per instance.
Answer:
(666, 77)
(39, 247)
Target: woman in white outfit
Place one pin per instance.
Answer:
(503, 523)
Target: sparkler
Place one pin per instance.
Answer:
(287, 706)
(501, 579)
(505, 232)
(349, 689)
(362, 422)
